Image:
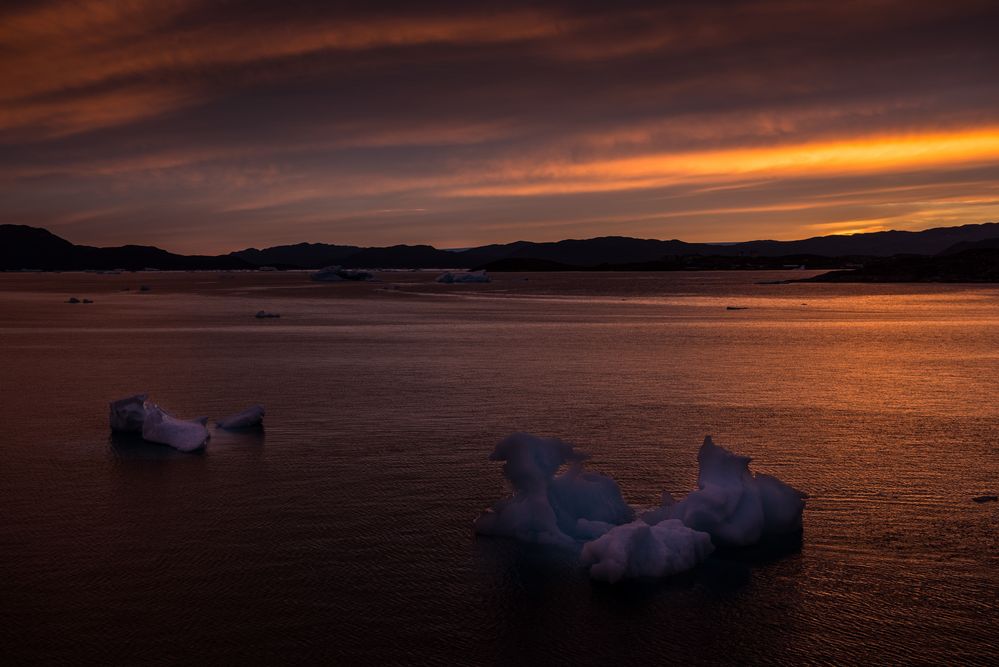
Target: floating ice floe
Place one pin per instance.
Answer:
(577, 508)
(334, 274)
(127, 414)
(248, 418)
(136, 414)
(464, 277)
(162, 427)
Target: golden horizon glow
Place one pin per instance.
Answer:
(839, 157)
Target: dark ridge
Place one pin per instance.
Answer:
(969, 266)
(992, 243)
(23, 247)
(300, 255)
(684, 263)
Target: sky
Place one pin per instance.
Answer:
(209, 126)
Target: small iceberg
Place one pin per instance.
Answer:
(72, 299)
(251, 417)
(136, 414)
(334, 274)
(128, 414)
(160, 426)
(450, 277)
(986, 499)
(264, 315)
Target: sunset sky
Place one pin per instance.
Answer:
(212, 126)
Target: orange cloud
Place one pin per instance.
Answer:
(845, 156)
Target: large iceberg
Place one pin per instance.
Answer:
(162, 427)
(545, 508)
(127, 414)
(731, 507)
(638, 550)
(464, 277)
(248, 418)
(734, 506)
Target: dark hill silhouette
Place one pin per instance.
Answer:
(616, 250)
(971, 245)
(877, 244)
(302, 255)
(683, 263)
(403, 257)
(23, 247)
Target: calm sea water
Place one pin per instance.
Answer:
(342, 533)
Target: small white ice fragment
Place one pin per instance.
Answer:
(466, 277)
(250, 417)
(335, 274)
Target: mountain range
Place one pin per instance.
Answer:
(24, 247)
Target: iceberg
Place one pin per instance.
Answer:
(127, 414)
(162, 427)
(464, 277)
(546, 509)
(248, 418)
(734, 506)
(731, 507)
(334, 274)
(637, 550)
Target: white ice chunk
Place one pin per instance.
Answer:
(335, 274)
(127, 414)
(734, 506)
(638, 550)
(544, 508)
(162, 427)
(251, 416)
(464, 277)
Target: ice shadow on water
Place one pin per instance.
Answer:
(130, 447)
(538, 570)
(532, 569)
(251, 436)
(532, 593)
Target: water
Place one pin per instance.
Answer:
(343, 532)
